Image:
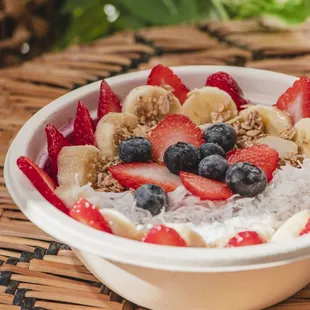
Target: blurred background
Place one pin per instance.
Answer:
(31, 27)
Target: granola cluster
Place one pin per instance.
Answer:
(223, 115)
(248, 129)
(294, 160)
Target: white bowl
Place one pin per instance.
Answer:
(161, 277)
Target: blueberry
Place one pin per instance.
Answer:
(246, 179)
(137, 149)
(181, 157)
(222, 134)
(213, 167)
(208, 149)
(152, 198)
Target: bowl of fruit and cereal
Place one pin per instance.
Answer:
(182, 188)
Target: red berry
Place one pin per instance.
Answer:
(83, 126)
(245, 238)
(41, 181)
(204, 188)
(55, 142)
(163, 76)
(133, 175)
(225, 82)
(161, 234)
(306, 230)
(296, 100)
(88, 214)
(261, 156)
(174, 128)
(108, 101)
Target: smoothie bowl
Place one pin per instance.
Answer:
(183, 189)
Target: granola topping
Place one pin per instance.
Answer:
(288, 134)
(294, 160)
(249, 129)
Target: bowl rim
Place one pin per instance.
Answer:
(84, 238)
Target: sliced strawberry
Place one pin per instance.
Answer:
(161, 234)
(204, 188)
(261, 156)
(163, 76)
(108, 101)
(296, 100)
(88, 214)
(174, 128)
(306, 230)
(225, 82)
(83, 126)
(245, 238)
(133, 175)
(41, 181)
(55, 142)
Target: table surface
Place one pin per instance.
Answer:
(35, 270)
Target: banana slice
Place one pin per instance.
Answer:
(284, 147)
(69, 194)
(191, 238)
(112, 129)
(79, 162)
(121, 225)
(292, 227)
(302, 136)
(274, 120)
(151, 103)
(209, 104)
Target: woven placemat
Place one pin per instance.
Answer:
(38, 273)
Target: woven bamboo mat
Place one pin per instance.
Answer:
(38, 273)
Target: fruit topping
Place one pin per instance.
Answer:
(135, 149)
(174, 128)
(208, 149)
(274, 121)
(296, 100)
(213, 167)
(209, 105)
(151, 103)
(41, 181)
(108, 101)
(261, 156)
(225, 82)
(302, 136)
(245, 238)
(181, 157)
(222, 134)
(121, 225)
(246, 179)
(306, 230)
(152, 198)
(83, 126)
(112, 129)
(164, 77)
(88, 214)
(205, 189)
(78, 163)
(55, 142)
(163, 235)
(133, 175)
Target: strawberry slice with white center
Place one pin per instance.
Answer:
(55, 142)
(83, 126)
(88, 214)
(205, 189)
(245, 238)
(163, 76)
(41, 181)
(174, 128)
(163, 235)
(306, 230)
(133, 175)
(296, 100)
(108, 101)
